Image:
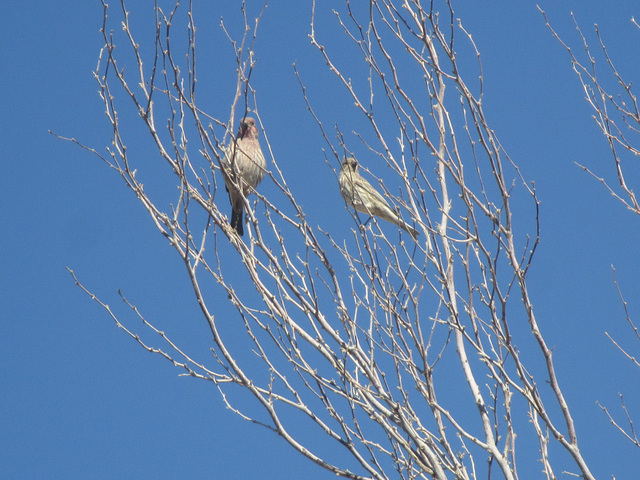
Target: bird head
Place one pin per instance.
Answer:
(248, 128)
(351, 164)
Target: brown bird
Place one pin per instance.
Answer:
(245, 158)
(359, 193)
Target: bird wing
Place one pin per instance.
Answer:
(368, 195)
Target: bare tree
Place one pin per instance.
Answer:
(406, 354)
(617, 114)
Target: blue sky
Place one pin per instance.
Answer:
(79, 399)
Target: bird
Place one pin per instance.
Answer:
(245, 158)
(361, 195)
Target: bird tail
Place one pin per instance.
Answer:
(236, 221)
(410, 230)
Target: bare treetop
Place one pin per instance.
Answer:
(405, 351)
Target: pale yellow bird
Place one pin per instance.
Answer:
(361, 195)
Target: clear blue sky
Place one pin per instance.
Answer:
(79, 399)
